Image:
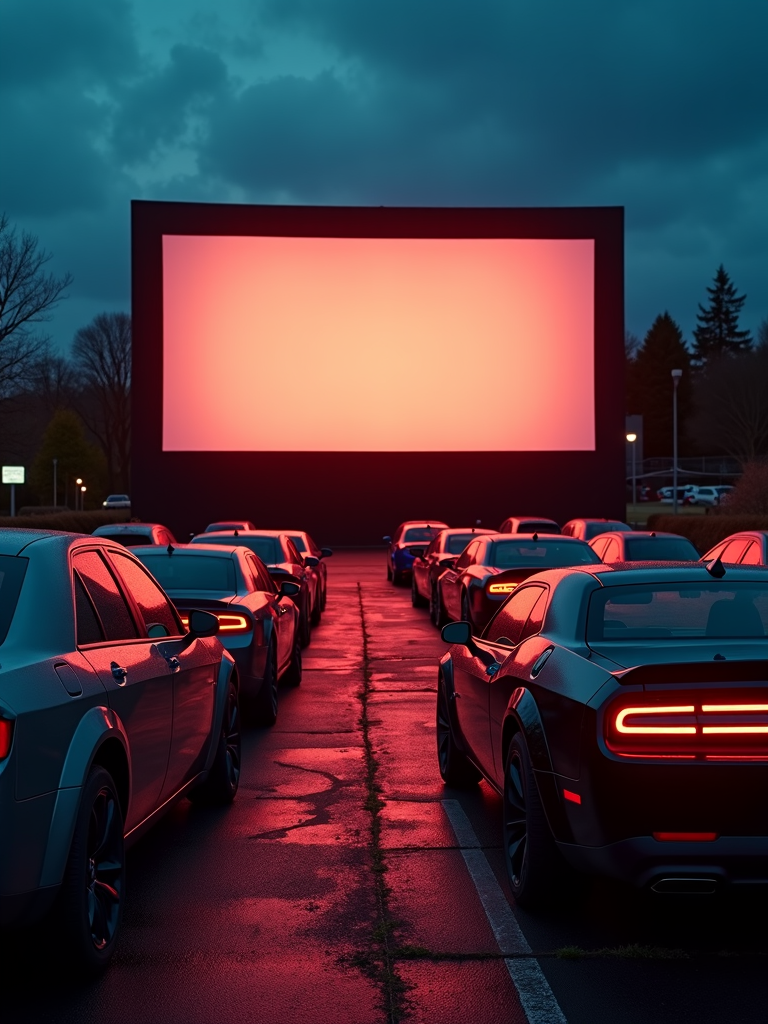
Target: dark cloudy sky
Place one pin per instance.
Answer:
(657, 105)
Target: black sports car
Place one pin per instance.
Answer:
(623, 714)
(490, 568)
(431, 561)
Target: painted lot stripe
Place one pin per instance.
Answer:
(533, 989)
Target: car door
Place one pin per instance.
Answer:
(192, 667)
(134, 673)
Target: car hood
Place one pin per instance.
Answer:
(627, 654)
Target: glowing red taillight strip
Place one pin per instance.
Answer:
(501, 588)
(685, 837)
(6, 732)
(713, 730)
(574, 798)
(228, 623)
(734, 708)
(655, 730)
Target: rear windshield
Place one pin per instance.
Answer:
(594, 529)
(660, 549)
(267, 548)
(538, 528)
(679, 611)
(509, 554)
(128, 540)
(12, 570)
(181, 571)
(456, 543)
(422, 532)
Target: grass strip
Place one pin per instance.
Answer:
(382, 964)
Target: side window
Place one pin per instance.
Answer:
(718, 551)
(752, 556)
(611, 553)
(599, 547)
(732, 552)
(512, 616)
(153, 604)
(89, 629)
(468, 555)
(116, 619)
(536, 618)
(290, 550)
(261, 577)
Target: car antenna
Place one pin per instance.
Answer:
(477, 523)
(237, 533)
(170, 549)
(653, 533)
(535, 536)
(715, 568)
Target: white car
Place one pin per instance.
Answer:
(117, 501)
(709, 495)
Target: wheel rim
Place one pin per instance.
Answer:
(104, 868)
(232, 740)
(515, 823)
(444, 738)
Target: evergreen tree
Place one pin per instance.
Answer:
(650, 386)
(718, 325)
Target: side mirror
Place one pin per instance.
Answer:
(457, 633)
(387, 540)
(201, 624)
(310, 561)
(326, 552)
(288, 589)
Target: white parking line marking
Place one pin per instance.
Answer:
(533, 989)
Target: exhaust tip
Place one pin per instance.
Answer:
(686, 886)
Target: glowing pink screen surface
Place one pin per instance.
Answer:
(366, 344)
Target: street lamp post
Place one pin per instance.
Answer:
(55, 488)
(79, 483)
(676, 375)
(632, 438)
(82, 498)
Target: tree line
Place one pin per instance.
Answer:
(74, 410)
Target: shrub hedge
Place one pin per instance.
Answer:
(705, 531)
(70, 522)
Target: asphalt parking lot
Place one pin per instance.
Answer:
(347, 884)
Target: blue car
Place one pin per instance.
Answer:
(414, 533)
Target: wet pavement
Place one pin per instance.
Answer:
(335, 888)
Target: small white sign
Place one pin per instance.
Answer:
(13, 474)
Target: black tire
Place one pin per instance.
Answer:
(436, 610)
(317, 611)
(224, 777)
(389, 571)
(325, 598)
(397, 578)
(455, 768)
(535, 869)
(466, 613)
(292, 676)
(416, 599)
(89, 904)
(263, 707)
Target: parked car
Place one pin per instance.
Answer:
(117, 501)
(643, 546)
(306, 546)
(491, 567)
(708, 496)
(258, 620)
(110, 711)
(587, 529)
(750, 547)
(622, 715)
(430, 561)
(132, 534)
(408, 535)
(278, 552)
(683, 494)
(229, 524)
(529, 524)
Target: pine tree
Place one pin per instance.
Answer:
(650, 386)
(718, 325)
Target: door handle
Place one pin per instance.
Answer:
(173, 663)
(119, 673)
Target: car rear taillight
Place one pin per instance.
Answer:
(6, 735)
(228, 622)
(501, 588)
(692, 726)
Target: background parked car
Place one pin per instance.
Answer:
(429, 563)
(414, 533)
(132, 534)
(229, 524)
(278, 552)
(306, 546)
(529, 524)
(643, 546)
(258, 621)
(750, 547)
(587, 529)
(109, 711)
(117, 501)
(708, 495)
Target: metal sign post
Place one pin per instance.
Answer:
(13, 475)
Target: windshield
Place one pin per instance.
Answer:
(594, 529)
(660, 549)
(298, 540)
(456, 543)
(181, 571)
(510, 554)
(679, 611)
(422, 532)
(128, 540)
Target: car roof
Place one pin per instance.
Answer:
(157, 550)
(126, 528)
(620, 573)
(423, 522)
(245, 533)
(639, 533)
(451, 531)
(14, 539)
(552, 538)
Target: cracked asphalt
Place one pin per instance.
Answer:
(277, 910)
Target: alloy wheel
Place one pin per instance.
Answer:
(515, 820)
(104, 867)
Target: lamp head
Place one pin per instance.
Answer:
(631, 438)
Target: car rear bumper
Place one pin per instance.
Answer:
(644, 862)
(26, 908)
